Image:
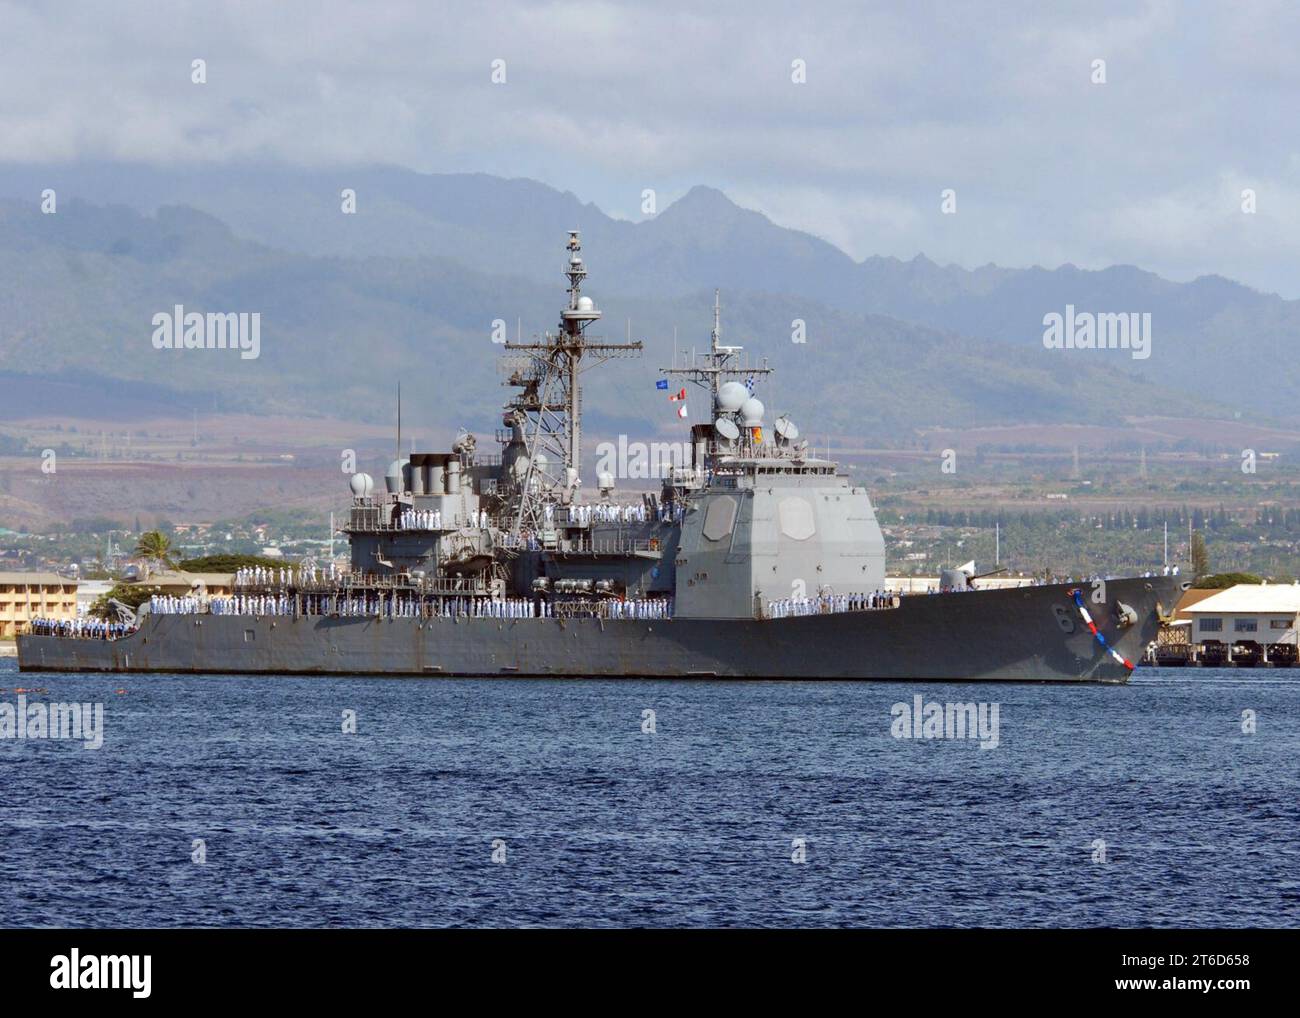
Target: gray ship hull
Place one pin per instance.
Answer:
(1019, 634)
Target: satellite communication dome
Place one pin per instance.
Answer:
(586, 304)
(726, 427)
(751, 412)
(362, 485)
(732, 396)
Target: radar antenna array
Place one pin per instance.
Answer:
(720, 371)
(547, 372)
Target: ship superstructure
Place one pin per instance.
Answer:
(756, 558)
(751, 519)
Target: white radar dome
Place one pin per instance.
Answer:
(751, 413)
(732, 396)
(586, 304)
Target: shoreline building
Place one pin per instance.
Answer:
(26, 596)
(1250, 623)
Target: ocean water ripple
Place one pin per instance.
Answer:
(696, 824)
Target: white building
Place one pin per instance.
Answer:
(1262, 613)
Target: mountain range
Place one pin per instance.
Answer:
(408, 287)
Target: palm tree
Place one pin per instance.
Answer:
(1200, 556)
(155, 547)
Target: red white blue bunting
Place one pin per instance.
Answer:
(1092, 627)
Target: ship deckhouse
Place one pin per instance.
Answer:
(752, 518)
(767, 520)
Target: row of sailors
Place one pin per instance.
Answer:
(788, 607)
(84, 627)
(634, 608)
(420, 519)
(312, 604)
(369, 605)
(263, 576)
(389, 607)
(431, 519)
(170, 604)
(315, 574)
(605, 512)
(250, 604)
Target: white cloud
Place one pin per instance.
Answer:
(994, 101)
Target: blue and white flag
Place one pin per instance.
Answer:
(749, 384)
(661, 384)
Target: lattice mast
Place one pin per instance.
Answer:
(549, 405)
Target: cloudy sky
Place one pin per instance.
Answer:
(901, 101)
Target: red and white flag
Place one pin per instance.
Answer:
(681, 410)
(679, 397)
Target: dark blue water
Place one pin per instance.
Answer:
(693, 825)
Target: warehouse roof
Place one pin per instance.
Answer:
(1193, 597)
(1250, 598)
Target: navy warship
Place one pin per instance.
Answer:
(756, 559)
